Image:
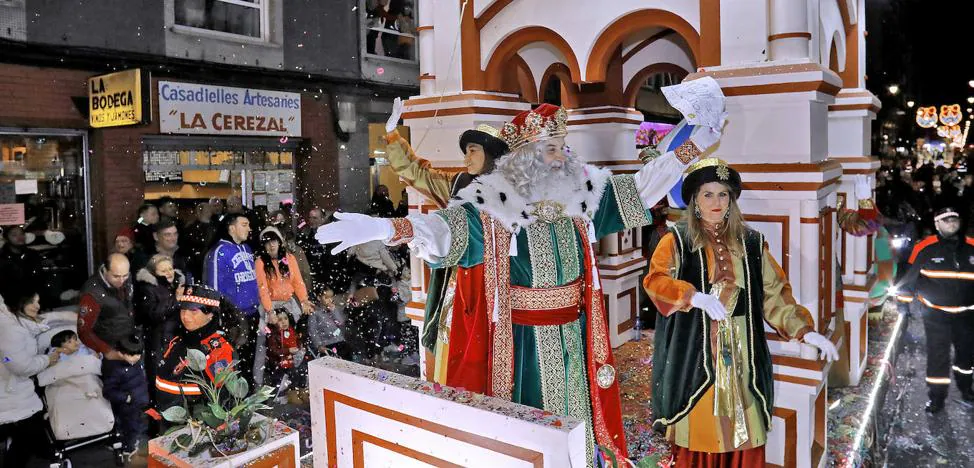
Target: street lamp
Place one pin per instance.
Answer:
(970, 83)
(893, 89)
(970, 100)
(910, 104)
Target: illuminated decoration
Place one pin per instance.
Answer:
(885, 367)
(927, 117)
(961, 139)
(950, 132)
(950, 115)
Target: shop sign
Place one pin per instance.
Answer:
(221, 110)
(118, 99)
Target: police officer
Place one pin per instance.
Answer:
(198, 312)
(940, 283)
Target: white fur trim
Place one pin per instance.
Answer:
(489, 188)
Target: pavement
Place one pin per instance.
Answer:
(917, 439)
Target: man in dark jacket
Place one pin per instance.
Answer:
(144, 226)
(199, 237)
(940, 283)
(19, 266)
(106, 324)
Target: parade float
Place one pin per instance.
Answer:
(798, 132)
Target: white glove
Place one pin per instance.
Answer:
(863, 190)
(825, 347)
(393, 121)
(704, 137)
(353, 229)
(709, 304)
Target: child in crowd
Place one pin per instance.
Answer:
(73, 390)
(364, 324)
(285, 356)
(129, 391)
(326, 334)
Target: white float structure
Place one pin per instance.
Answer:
(798, 132)
(365, 417)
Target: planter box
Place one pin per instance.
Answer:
(279, 450)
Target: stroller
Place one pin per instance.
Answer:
(92, 423)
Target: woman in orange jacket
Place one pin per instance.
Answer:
(279, 285)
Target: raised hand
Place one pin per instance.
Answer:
(863, 190)
(393, 121)
(352, 229)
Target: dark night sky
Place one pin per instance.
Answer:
(926, 46)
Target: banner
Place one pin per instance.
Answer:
(221, 110)
(118, 99)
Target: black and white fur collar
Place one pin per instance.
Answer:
(494, 194)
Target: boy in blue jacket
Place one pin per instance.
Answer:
(229, 269)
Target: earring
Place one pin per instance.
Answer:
(696, 211)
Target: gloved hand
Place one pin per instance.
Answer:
(710, 305)
(825, 347)
(704, 137)
(863, 190)
(393, 121)
(352, 229)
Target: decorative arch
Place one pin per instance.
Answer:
(569, 90)
(518, 79)
(613, 36)
(632, 89)
(508, 47)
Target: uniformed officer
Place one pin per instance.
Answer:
(940, 283)
(198, 309)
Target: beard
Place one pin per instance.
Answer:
(533, 178)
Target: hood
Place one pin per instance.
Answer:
(146, 277)
(8, 320)
(271, 230)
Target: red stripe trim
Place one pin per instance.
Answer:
(922, 245)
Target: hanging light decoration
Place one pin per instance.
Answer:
(951, 115)
(927, 117)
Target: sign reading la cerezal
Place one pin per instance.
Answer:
(222, 110)
(118, 99)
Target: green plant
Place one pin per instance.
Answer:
(223, 419)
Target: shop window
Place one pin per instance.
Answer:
(261, 176)
(391, 30)
(246, 18)
(44, 215)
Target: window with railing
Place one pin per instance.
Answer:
(246, 18)
(391, 30)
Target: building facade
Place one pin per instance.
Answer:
(305, 88)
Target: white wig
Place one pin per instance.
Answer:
(525, 167)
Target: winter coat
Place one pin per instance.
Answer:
(170, 381)
(18, 270)
(278, 287)
(156, 311)
(229, 268)
(327, 270)
(106, 315)
(325, 327)
(22, 359)
(374, 254)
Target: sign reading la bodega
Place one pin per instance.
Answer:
(116, 99)
(221, 110)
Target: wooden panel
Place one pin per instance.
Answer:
(785, 221)
(331, 398)
(863, 324)
(790, 417)
(359, 439)
(283, 457)
(820, 421)
(630, 322)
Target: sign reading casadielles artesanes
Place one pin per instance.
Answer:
(222, 110)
